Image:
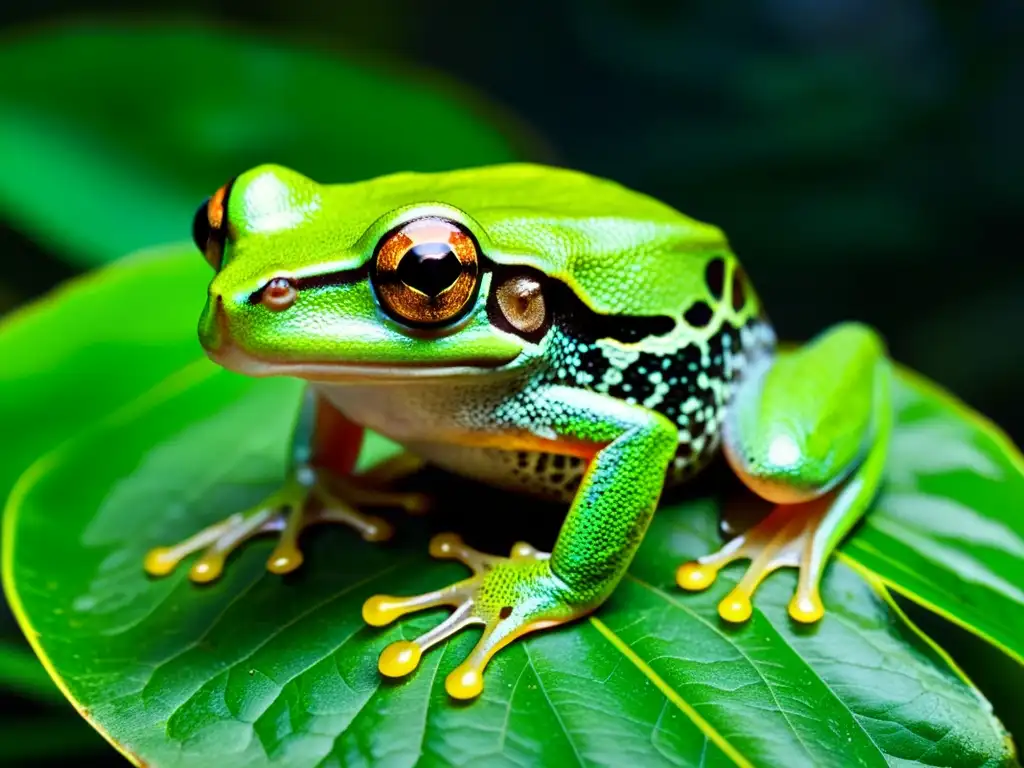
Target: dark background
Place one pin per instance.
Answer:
(864, 156)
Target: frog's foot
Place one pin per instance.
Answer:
(311, 497)
(788, 537)
(509, 596)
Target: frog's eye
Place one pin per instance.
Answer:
(208, 226)
(426, 271)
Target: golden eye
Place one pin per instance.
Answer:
(521, 301)
(208, 226)
(426, 271)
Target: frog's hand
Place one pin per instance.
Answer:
(325, 446)
(810, 433)
(629, 449)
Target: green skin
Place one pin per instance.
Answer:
(653, 353)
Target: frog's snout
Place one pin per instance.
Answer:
(213, 332)
(222, 312)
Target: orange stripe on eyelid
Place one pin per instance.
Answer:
(215, 208)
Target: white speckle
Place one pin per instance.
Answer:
(271, 198)
(783, 451)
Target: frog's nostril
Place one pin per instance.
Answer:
(279, 294)
(213, 331)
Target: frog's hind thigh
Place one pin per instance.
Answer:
(809, 432)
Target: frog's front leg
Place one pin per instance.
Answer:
(628, 449)
(319, 488)
(808, 431)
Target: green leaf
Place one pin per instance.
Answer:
(257, 668)
(111, 134)
(949, 531)
(92, 346)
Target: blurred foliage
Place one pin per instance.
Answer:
(863, 155)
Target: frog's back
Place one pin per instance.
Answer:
(620, 251)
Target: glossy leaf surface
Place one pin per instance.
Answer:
(92, 346)
(151, 118)
(949, 531)
(258, 669)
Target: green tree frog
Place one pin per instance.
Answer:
(544, 331)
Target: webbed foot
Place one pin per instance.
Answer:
(509, 596)
(309, 497)
(788, 537)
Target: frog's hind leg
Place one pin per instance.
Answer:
(798, 536)
(320, 488)
(810, 434)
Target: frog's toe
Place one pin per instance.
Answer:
(313, 500)
(790, 536)
(364, 494)
(507, 596)
(215, 542)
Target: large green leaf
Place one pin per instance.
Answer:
(257, 668)
(111, 134)
(260, 668)
(949, 531)
(91, 347)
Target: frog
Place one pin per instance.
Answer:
(547, 332)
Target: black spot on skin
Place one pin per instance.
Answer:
(574, 484)
(505, 612)
(739, 290)
(557, 477)
(558, 461)
(588, 325)
(542, 464)
(714, 275)
(699, 314)
(522, 459)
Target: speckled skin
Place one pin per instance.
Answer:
(649, 331)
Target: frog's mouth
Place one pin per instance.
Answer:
(234, 359)
(221, 348)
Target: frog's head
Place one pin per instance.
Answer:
(357, 281)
